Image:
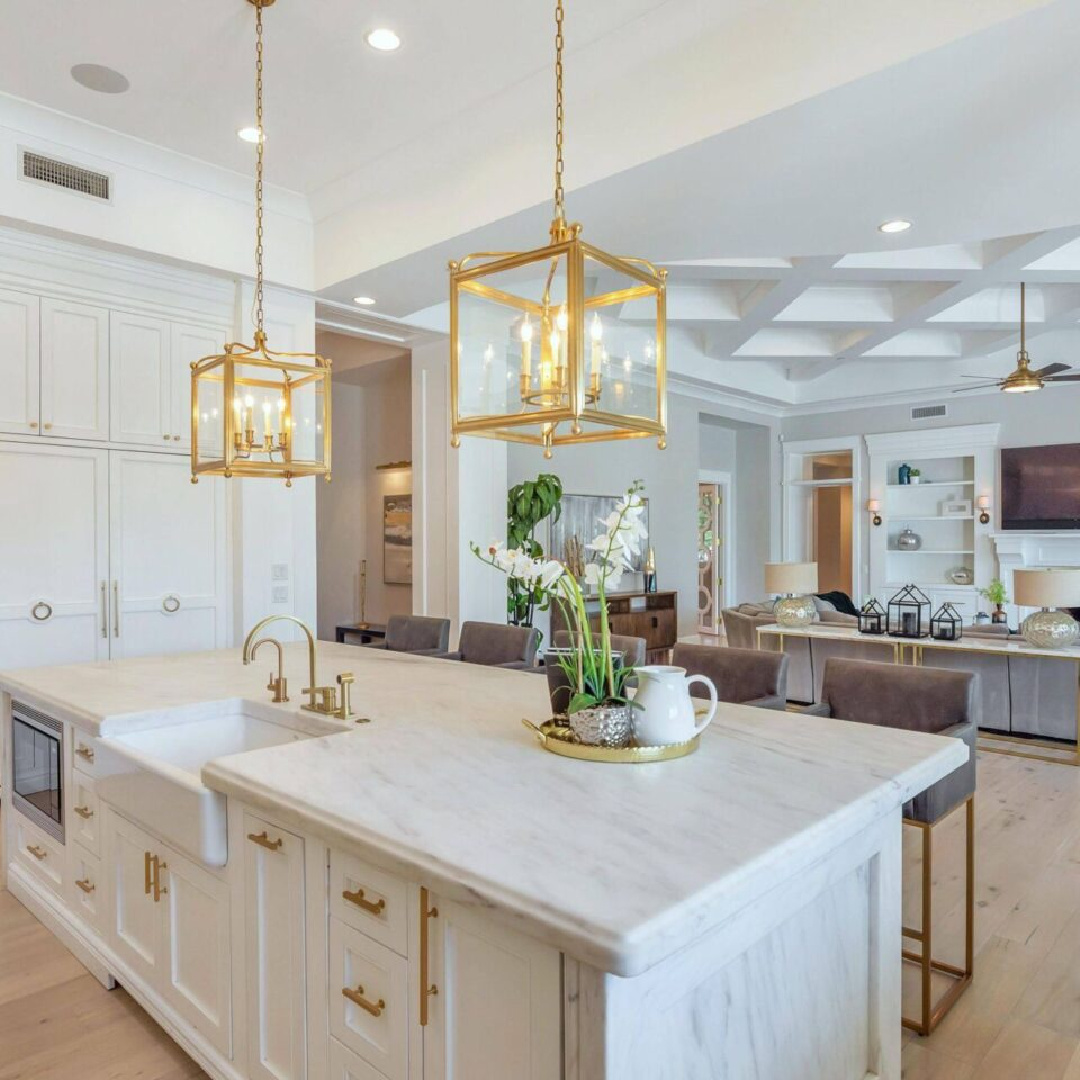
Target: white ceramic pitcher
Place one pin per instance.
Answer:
(667, 715)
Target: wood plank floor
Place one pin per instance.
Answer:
(1020, 1019)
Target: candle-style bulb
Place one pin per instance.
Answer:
(562, 321)
(597, 329)
(489, 354)
(526, 330)
(249, 401)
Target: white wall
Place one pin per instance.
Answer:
(372, 426)
(165, 204)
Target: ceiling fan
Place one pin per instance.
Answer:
(1024, 379)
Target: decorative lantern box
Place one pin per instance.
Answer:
(947, 625)
(909, 613)
(872, 618)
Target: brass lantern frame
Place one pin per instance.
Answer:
(295, 370)
(578, 403)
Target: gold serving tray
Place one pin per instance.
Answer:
(559, 739)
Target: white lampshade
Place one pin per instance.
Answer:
(1053, 586)
(796, 578)
(873, 506)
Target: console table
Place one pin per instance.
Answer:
(914, 651)
(652, 616)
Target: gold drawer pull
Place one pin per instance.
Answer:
(427, 988)
(263, 840)
(38, 852)
(84, 812)
(357, 898)
(85, 752)
(159, 889)
(87, 886)
(357, 998)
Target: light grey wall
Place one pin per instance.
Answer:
(1047, 416)
(372, 425)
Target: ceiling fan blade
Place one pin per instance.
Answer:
(983, 386)
(1050, 369)
(984, 378)
(1061, 378)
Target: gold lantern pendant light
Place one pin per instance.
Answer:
(255, 412)
(561, 344)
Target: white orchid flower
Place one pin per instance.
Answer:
(550, 573)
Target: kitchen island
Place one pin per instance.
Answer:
(429, 894)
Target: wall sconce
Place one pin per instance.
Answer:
(983, 503)
(873, 506)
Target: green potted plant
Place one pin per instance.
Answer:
(528, 504)
(995, 593)
(599, 710)
(916, 476)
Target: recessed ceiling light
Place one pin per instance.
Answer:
(364, 301)
(101, 79)
(251, 135)
(384, 40)
(899, 225)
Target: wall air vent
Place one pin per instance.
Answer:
(929, 412)
(62, 174)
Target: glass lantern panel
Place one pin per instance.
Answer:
(210, 409)
(621, 333)
(307, 411)
(512, 340)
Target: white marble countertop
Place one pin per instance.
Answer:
(619, 866)
(1013, 645)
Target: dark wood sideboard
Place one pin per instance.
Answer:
(652, 616)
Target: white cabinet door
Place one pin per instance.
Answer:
(20, 358)
(275, 952)
(135, 916)
(196, 959)
(74, 370)
(54, 554)
(189, 343)
(497, 1012)
(139, 376)
(168, 557)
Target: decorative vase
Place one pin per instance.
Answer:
(904, 474)
(908, 540)
(603, 725)
(915, 478)
(999, 615)
(795, 611)
(665, 712)
(1050, 629)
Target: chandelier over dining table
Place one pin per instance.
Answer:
(255, 412)
(561, 344)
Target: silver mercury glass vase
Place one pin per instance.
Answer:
(1050, 629)
(604, 725)
(795, 611)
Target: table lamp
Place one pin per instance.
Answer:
(792, 582)
(1048, 588)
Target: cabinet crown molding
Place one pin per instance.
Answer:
(958, 438)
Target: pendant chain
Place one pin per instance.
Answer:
(560, 209)
(258, 300)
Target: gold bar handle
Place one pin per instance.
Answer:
(148, 878)
(357, 998)
(37, 852)
(426, 990)
(87, 886)
(370, 906)
(104, 609)
(159, 889)
(84, 812)
(85, 752)
(263, 840)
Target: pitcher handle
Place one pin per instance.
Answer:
(711, 687)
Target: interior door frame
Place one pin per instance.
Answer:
(795, 541)
(726, 482)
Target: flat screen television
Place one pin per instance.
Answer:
(1040, 487)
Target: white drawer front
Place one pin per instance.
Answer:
(86, 754)
(371, 972)
(85, 889)
(84, 822)
(39, 853)
(345, 1065)
(370, 900)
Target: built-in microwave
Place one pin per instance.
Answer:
(37, 768)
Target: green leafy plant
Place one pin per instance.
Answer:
(915, 472)
(995, 592)
(527, 505)
(589, 664)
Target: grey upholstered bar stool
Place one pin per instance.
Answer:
(944, 703)
(495, 645)
(414, 634)
(741, 676)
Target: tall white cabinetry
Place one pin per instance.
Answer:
(956, 466)
(74, 370)
(20, 403)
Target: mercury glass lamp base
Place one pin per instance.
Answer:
(795, 611)
(1050, 629)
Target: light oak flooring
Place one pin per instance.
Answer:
(1020, 1019)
